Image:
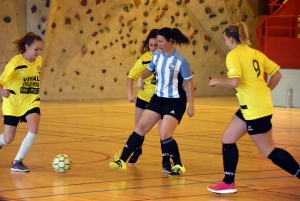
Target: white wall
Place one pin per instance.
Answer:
(290, 80)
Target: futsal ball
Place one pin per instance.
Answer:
(62, 163)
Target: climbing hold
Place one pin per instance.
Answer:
(194, 42)
(104, 47)
(216, 52)
(52, 69)
(145, 23)
(116, 41)
(192, 36)
(107, 29)
(208, 38)
(98, 2)
(91, 19)
(201, 1)
(131, 5)
(39, 26)
(60, 90)
(221, 10)
(122, 37)
(92, 52)
(177, 14)
(212, 15)
(186, 1)
(43, 19)
(126, 8)
(165, 8)
(93, 86)
(111, 44)
(103, 71)
(147, 2)
(130, 29)
(81, 32)
(145, 14)
(88, 11)
(144, 31)
(130, 22)
(53, 25)
(101, 88)
(99, 24)
(33, 9)
(205, 47)
(68, 21)
(120, 64)
(162, 14)
(43, 32)
(7, 19)
(179, 2)
(222, 72)
(45, 92)
(157, 18)
(184, 14)
(137, 2)
(84, 50)
(121, 18)
(130, 42)
(101, 31)
(240, 3)
(189, 25)
(224, 22)
(107, 16)
(95, 33)
(215, 28)
(207, 10)
(115, 79)
(193, 52)
(154, 1)
(176, 24)
(113, 57)
(135, 41)
(123, 45)
(63, 50)
(244, 18)
(120, 31)
(97, 42)
(172, 19)
(196, 31)
(77, 17)
(83, 2)
(128, 35)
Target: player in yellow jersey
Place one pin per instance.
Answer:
(245, 70)
(19, 87)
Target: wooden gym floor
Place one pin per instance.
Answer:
(91, 132)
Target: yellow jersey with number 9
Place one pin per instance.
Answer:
(22, 79)
(253, 93)
(149, 83)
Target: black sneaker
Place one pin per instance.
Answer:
(135, 156)
(0, 147)
(167, 167)
(19, 166)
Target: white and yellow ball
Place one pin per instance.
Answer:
(62, 163)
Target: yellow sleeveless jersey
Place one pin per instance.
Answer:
(150, 82)
(253, 93)
(22, 79)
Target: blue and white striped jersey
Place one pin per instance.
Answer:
(170, 72)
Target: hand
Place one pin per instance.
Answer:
(131, 99)
(190, 111)
(140, 84)
(213, 82)
(5, 93)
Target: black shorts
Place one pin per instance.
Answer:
(174, 107)
(256, 126)
(14, 121)
(141, 103)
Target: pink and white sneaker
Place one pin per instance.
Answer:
(222, 188)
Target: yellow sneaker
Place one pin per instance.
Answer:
(177, 170)
(118, 164)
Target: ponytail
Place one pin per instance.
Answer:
(239, 32)
(174, 35)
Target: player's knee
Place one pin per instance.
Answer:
(8, 139)
(33, 129)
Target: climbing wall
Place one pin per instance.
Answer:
(91, 45)
(13, 26)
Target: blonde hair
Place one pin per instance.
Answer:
(238, 31)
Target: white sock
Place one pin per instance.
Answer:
(25, 146)
(2, 140)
